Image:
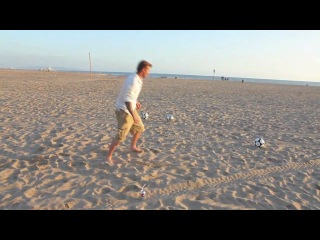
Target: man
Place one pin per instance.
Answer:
(127, 105)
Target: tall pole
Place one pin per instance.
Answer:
(90, 64)
(213, 74)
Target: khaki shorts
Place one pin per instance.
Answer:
(125, 125)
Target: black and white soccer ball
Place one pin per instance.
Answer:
(169, 117)
(144, 115)
(259, 142)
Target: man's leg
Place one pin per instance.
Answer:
(112, 147)
(124, 123)
(136, 131)
(135, 139)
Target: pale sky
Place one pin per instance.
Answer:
(266, 54)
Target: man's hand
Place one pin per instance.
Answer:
(138, 105)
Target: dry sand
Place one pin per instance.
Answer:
(56, 128)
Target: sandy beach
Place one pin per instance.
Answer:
(56, 128)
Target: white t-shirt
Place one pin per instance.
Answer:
(129, 92)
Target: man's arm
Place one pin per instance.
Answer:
(130, 109)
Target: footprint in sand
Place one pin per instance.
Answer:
(154, 150)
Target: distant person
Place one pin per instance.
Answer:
(127, 105)
(242, 81)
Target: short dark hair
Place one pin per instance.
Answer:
(142, 64)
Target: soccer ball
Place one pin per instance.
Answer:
(259, 142)
(169, 117)
(144, 115)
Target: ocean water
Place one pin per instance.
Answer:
(218, 78)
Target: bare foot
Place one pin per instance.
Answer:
(136, 149)
(110, 160)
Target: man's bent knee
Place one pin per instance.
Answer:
(137, 129)
(121, 136)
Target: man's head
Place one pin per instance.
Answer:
(143, 68)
